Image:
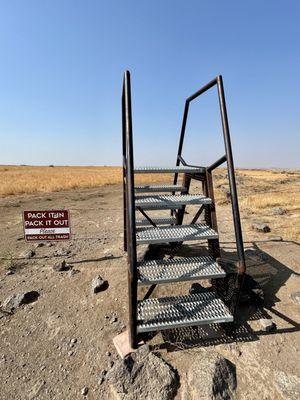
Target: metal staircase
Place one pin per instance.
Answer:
(217, 304)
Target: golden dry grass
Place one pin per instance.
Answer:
(260, 191)
(27, 179)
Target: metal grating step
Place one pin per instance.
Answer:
(162, 202)
(159, 188)
(180, 311)
(157, 221)
(161, 170)
(180, 269)
(177, 233)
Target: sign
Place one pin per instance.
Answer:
(47, 225)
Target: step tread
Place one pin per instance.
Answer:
(157, 221)
(179, 269)
(159, 188)
(175, 233)
(179, 311)
(179, 169)
(170, 201)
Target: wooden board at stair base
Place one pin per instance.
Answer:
(122, 344)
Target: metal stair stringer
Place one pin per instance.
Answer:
(154, 314)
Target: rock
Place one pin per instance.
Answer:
(84, 391)
(9, 272)
(235, 351)
(73, 341)
(103, 373)
(288, 385)
(73, 272)
(40, 244)
(296, 296)
(143, 375)
(16, 300)
(279, 211)
(98, 284)
(28, 254)
(50, 244)
(62, 266)
(108, 353)
(261, 227)
(210, 377)
(62, 252)
(267, 325)
(113, 319)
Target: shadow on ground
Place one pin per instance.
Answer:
(266, 271)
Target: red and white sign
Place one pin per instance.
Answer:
(47, 225)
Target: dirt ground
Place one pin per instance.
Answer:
(52, 348)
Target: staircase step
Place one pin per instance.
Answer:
(157, 221)
(159, 188)
(162, 202)
(180, 311)
(175, 233)
(162, 170)
(177, 270)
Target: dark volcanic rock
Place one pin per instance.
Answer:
(279, 211)
(210, 377)
(296, 296)
(143, 375)
(288, 385)
(62, 266)
(28, 254)
(16, 300)
(261, 227)
(99, 284)
(267, 325)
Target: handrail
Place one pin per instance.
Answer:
(217, 163)
(218, 81)
(129, 206)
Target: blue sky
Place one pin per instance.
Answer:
(61, 74)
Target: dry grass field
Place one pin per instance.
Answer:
(27, 179)
(260, 191)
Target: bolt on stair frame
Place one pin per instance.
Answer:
(191, 172)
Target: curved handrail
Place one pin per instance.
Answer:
(218, 81)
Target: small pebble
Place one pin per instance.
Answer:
(103, 373)
(267, 325)
(84, 391)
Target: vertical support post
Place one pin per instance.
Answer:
(241, 266)
(186, 184)
(124, 171)
(181, 139)
(130, 215)
(210, 215)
